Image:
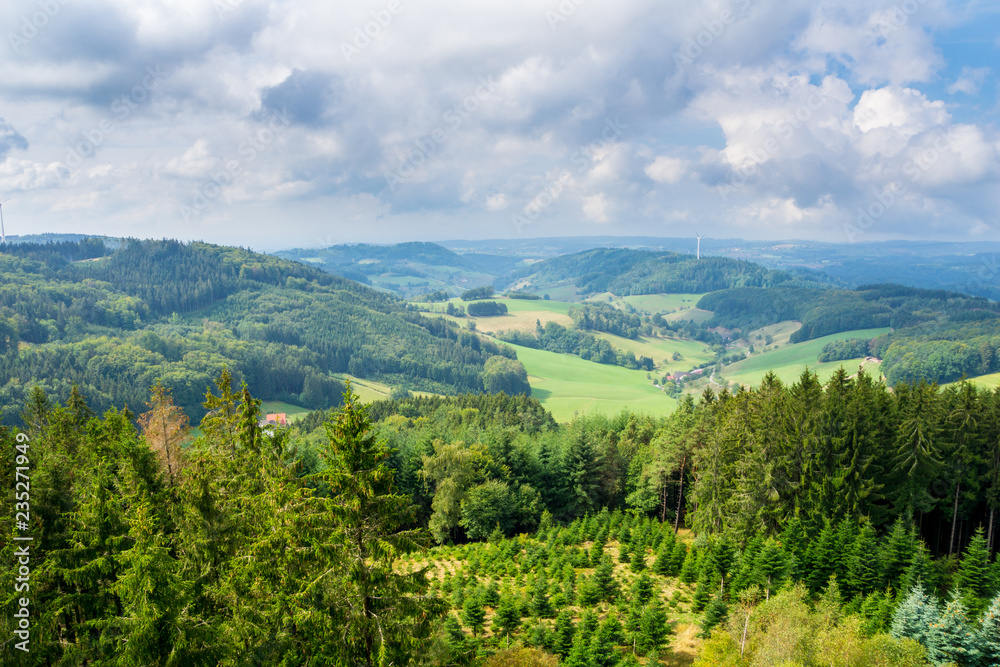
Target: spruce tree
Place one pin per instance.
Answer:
(385, 614)
(473, 614)
(956, 639)
(973, 573)
(771, 566)
(654, 628)
(920, 571)
(507, 619)
(863, 575)
(917, 618)
(564, 633)
(642, 590)
(604, 645)
(896, 555)
(637, 554)
(989, 633)
(540, 606)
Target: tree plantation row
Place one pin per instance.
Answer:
(775, 526)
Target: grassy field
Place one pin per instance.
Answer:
(567, 385)
(661, 351)
(522, 314)
(294, 412)
(789, 360)
(991, 381)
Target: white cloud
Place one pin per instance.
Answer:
(595, 208)
(665, 169)
(969, 81)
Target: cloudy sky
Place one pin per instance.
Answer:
(279, 123)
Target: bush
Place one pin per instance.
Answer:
(487, 309)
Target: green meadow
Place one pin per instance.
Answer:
(789, 360)
(567, 385)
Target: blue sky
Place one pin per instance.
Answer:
(275, 123)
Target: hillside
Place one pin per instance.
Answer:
(180, 312)
(631, 272)
(407, 269)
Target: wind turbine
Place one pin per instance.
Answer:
(699, 246)
(3, 232)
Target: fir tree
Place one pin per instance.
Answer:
(507, 619)
(989, 633)
(917, 618)
(654, 629)
(564, 633)
(955, 639)
(863, 576)
(473, 614)
(642, 590)
(973, 573)
(896, 555)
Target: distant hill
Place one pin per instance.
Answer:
(626, 272)
(164, 309)
(407, 269)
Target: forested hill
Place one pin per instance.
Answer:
(628, 272)
(113, 321)
(827, 311)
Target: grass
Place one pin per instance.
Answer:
(522, 314)
(661, 351)
(991, 381)
(294, 412)
(567, 385)
(789, 360)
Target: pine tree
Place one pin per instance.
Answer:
(642, 590)
(917, 618)
(609, 636)
(473, 614)
(165, 427)
(920, 571)
(151, 595)
(385, 615)
(654, 628)
(540, 606)
(507, 619)
(771, 566)
(715, 614)
(605, 580)
(637, 554)
(664, 563)
(973, 573)
(863, 576)
(564, 633)
(989, 633)
(896, 555)
(955, 639)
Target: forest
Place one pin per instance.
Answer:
(625, 272)
(113, 320)
(780, 525)
(554, 337)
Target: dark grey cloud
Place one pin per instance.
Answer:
(10, 139)
(308, 97)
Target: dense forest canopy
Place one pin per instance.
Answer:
(624, 272)
(784, 521)
(112, 321)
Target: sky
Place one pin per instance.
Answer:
(277, 123)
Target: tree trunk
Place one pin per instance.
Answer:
(989, 540)
(954, 519)
(680, 496)
(663, 501)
